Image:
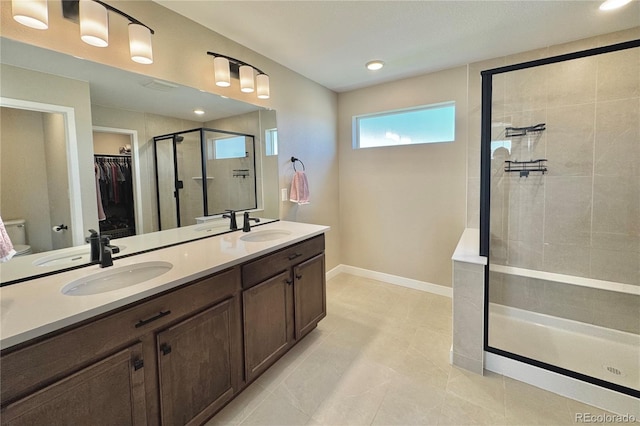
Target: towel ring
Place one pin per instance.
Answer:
(293, 160)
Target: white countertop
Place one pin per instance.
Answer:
(36, 307)
(21, 267)
(468, 248)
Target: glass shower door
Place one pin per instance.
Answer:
(166, 184)
(179, 179)
(189, 181)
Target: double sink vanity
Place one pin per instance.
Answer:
(165, 337)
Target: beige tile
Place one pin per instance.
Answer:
(524, 254)
(617, 266)
(619, 75)
(571, 82)
(318, 375)
(457, 411)
(526, 209)
(278, 372)
(617, 152)
(433, 345)
(241, 407)
(276, 410)
(419, 367)
(568, 210)
(570, 140)
(485, 391)
(356, 397)
(409, 401)
(616, 207)
(570, 259)
(526, 404)
(525, 89)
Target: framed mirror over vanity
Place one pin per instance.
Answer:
(69, 121)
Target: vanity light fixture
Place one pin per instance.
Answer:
(94, 23)
(375, 65)
(32, 13)
(225, 67)
(93, 17)
(613, 4)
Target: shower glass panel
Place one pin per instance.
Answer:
(190, 179)
(231, 169)
(165, 178)
(561, 188)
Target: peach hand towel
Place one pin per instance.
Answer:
(299, 189)
(6, 248)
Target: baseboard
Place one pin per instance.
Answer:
(392, 279)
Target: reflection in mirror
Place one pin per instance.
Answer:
(109, 100)
(203, 172)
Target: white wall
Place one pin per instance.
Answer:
(403, 207)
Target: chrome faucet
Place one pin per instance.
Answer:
(106, 251)
(247, 225)
(232, 215)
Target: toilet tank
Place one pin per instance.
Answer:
(17, 231)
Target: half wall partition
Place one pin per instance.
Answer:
(560, 214)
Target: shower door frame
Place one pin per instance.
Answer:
(485, 199)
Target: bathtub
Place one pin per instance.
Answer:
(539, 315)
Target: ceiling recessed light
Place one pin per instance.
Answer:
(613, 4)
(198, 111)
(375, 65)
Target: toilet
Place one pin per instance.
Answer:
(17, 231)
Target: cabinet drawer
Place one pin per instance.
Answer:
(31, 367)
(274, 263)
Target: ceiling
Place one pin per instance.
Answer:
(330, 41)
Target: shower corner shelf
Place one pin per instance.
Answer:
(523, 131)
(526, 167)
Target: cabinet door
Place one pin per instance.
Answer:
(196, 365)
(268, 316)
(109, 392)
(310, 294)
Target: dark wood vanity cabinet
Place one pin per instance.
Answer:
(108, 392)
(284, 298)
(175, 358)
(196, 365)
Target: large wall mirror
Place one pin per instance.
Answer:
(78, 152)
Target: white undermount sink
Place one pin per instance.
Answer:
(116, 278)
(266, 235)
(68, 258)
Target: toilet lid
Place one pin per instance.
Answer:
(21, 249)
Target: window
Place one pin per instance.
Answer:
(426, 124)
(220, 149)
(271, 141)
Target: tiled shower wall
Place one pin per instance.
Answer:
(583, 216)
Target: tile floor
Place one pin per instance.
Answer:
(381, 357)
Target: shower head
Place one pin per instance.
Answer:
(178, 139)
